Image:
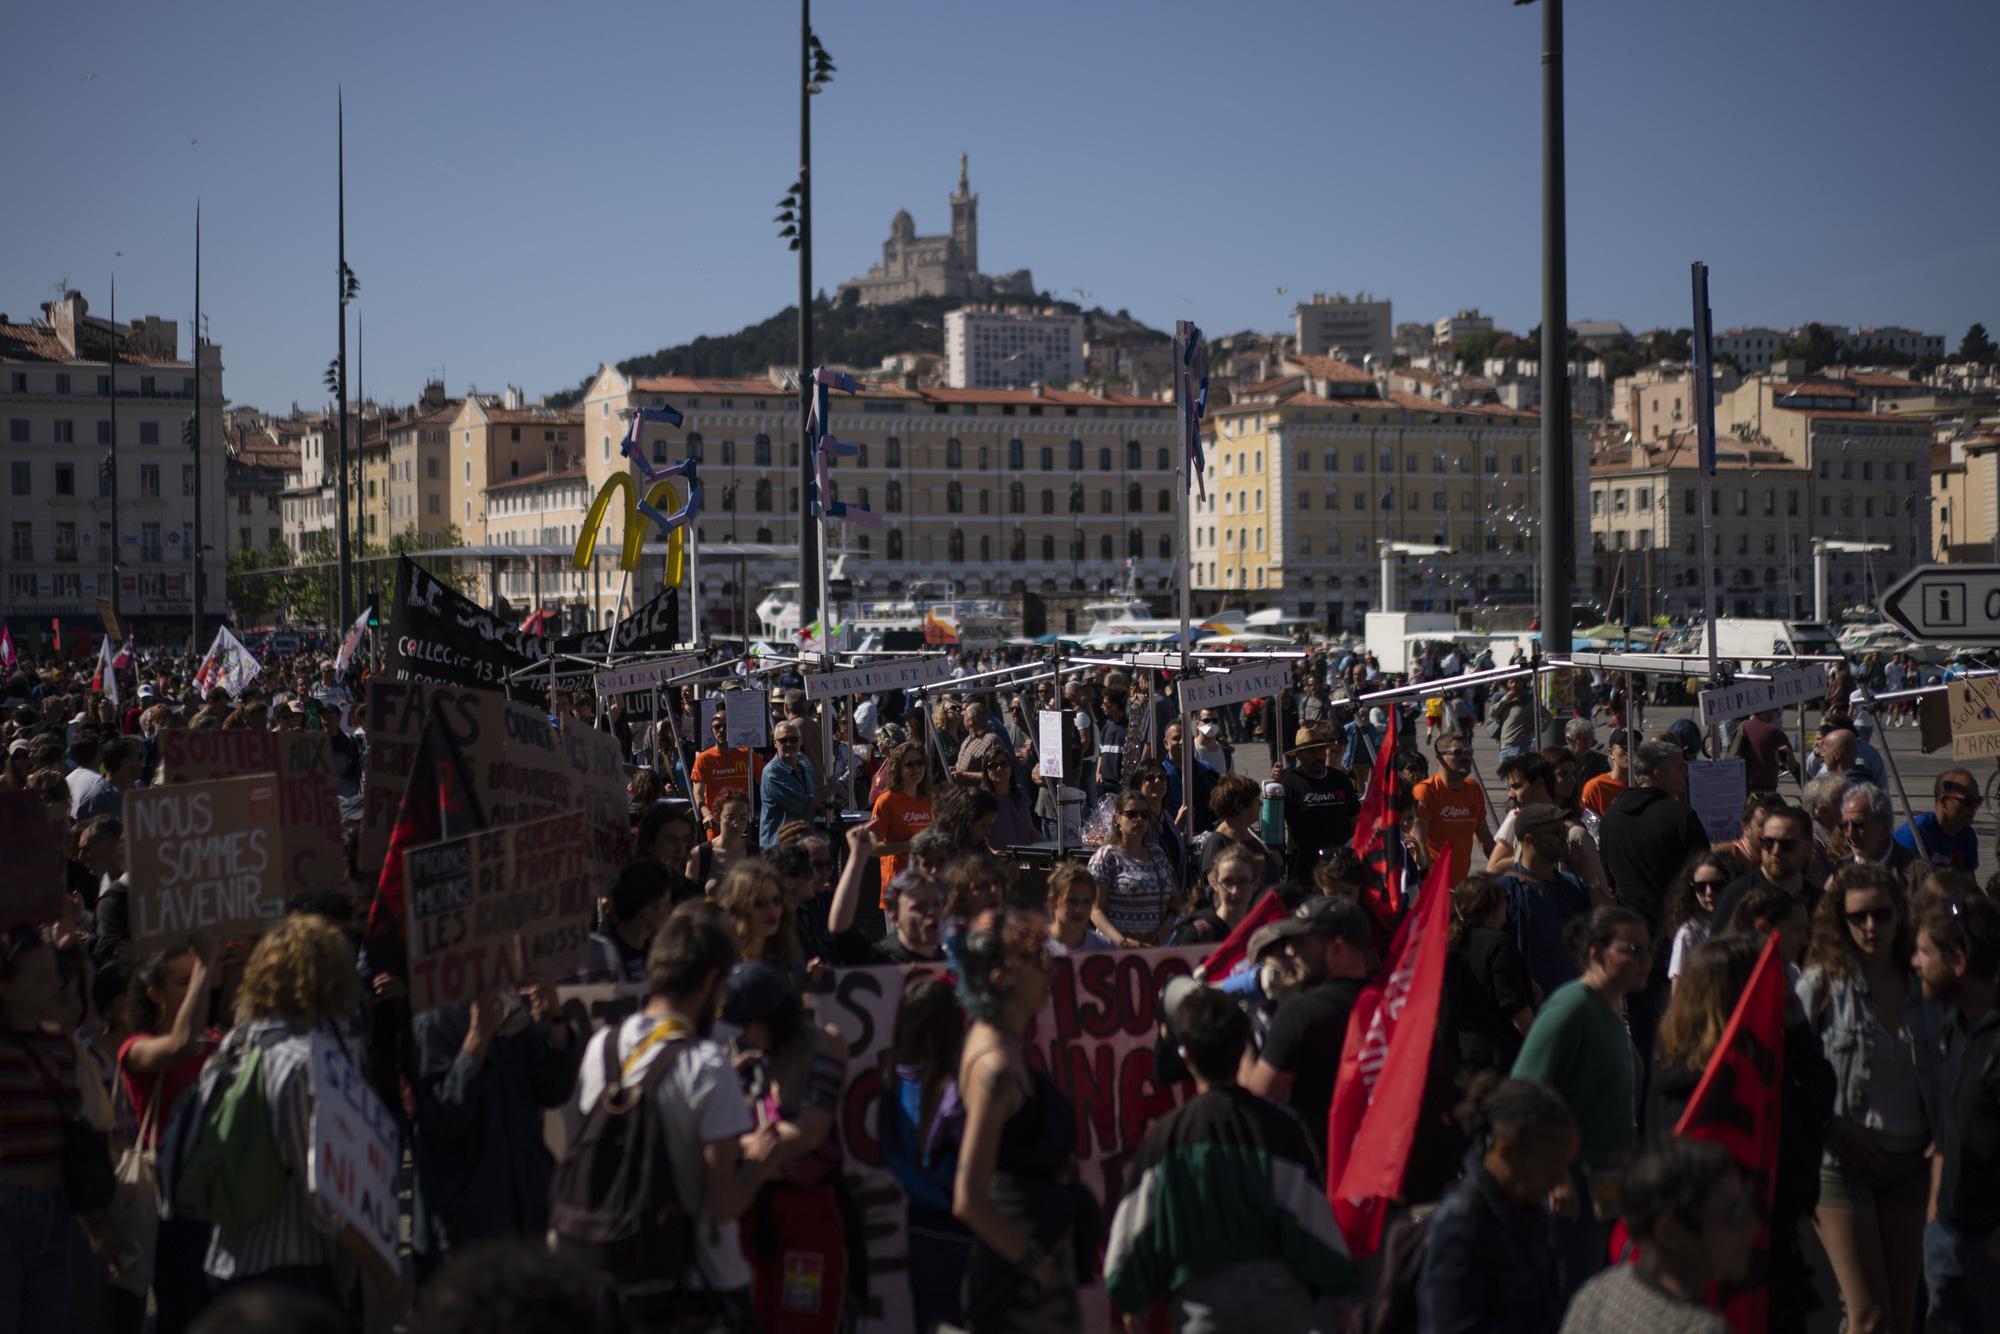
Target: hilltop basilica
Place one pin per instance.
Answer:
(914, 266)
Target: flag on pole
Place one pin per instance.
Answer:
(1228, 958)
(1384, 1065)
(352, 641)
(7, 658)
(105, 681)
(228, 665)
(1704, 371)
(825, 448)
(1378, 840)
(1736, 1105)
(127, 656)
(1193, 373)
(439, 803)
(56, 623)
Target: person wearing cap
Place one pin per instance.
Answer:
(1511, 719)
(1321, 952)
(1321, 804)
(1944, 833)
(1452, 805)
(1224, 1216)
(1542, 896)
(792, 1071)
(1605, 788)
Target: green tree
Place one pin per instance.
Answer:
(1976, 346)
(1816, 345)
(408, 542)
(1472, 350)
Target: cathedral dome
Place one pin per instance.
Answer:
(903, 227)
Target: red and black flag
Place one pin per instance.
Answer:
(439, 803)
(1378, 838)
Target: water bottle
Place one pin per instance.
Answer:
(1271, 819)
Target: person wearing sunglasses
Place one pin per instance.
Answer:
(1881, 1036)
(1944, 834)
(790, 787)
(1785, 846)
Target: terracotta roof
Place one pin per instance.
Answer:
(1271, 385)
(685, 384)
(531, 417)
(1813, 388)
(1882, 380)
(689, 384)
(1331, 368)
(1941, 458)
(575, 474)
(38, 342)
(1849, 414)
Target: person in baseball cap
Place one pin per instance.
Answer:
(1322, 956)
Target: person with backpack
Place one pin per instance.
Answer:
(485, 1070)
(666, 1158)
(300, 982)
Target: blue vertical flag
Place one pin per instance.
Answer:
(1703, 389)
(1193, 370)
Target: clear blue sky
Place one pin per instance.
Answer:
(535, 188)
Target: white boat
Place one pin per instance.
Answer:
(931, 609)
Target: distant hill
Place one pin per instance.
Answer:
(845, 333)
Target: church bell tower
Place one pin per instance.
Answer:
(965, 221)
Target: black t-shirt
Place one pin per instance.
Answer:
(1486, 984)
(1305, 1041)
(1595, 764)
(1319, 814)
(853, 949)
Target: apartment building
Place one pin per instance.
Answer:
(419, 453)
(1342, 326)
(1003, 491)
(1965, 491)
(71, 384)
(1007, 347)
(1304, 485)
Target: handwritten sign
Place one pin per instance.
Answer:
(521, 768)
(646, 675)
(746, 718)
(1049, 742)
(1742, 699)
(204, 857)
(1215, 689)
(471, 898)
(1974, 706)
(878, 677)
(308, 800)
(1717, 789)
(356, 1149)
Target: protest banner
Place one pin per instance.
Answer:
(878, 677)
(521, 767)
(356, 1150)
(437, 636)
(645, 676)
(1095, 1037)
(308, 801)
(228, 666)
(1212, 690)
(746, 718)
(494, 907)
(34, 881)
(204, 857)
(1742, 699)
(1716, 789)
(1974, 706)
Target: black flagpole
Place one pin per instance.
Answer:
(346, 613)
(194, 593)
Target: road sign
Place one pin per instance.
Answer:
(1959, 603)
(1741, 699)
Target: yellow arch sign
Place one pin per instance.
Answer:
(663, 496)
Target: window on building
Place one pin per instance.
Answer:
(65, 541)
(760, 451)
(1017, 498)
(1014, 456)
(954, 498)
(66, 480)
(1135, 499)
(892, 449)
(23, 548)
(895, 538)
(1048, 501)
(955, 545)
(1017, 546)
(65, 432)
(894, 505)
(763, 496)
(954, 454)
(1048, 458)
(1104, 502)
(1104, 459)
(1131, 456)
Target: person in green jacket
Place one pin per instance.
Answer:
(1579, 1047)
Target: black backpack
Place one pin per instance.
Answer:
(613, 1201)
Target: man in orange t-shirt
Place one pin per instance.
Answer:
(1453, 807)
(721, 769)
(1606, 788)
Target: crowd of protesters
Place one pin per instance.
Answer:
(1599, 944)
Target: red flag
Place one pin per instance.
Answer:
(56, 621)
(439, 803)
(1736, 1105)
(1384, 1063)
(7, 658)
(1229, 955)
(1377, 839)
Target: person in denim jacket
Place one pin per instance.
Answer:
(1881, 1037)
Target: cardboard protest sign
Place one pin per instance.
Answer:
(308, 802)
(204, 857)
(35, 878)
(1975, 717)
(490, 908)
(522, 768)
(356, 1150)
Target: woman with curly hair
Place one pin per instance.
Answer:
(1691, 905)
(1020, 1137)
(1881, 1036)
(299, 984)
(754, 898)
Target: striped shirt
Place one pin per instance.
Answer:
(301, 1230)
(38, 1093)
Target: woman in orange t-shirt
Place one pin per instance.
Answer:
(904, 809)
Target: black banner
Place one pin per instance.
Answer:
(438, 636)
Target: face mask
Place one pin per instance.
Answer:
(1207, 729)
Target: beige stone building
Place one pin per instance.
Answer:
(1003, 491)
(1965, 493)
(419, 452)
(496, 438)
(59, 401)
(1307, 474)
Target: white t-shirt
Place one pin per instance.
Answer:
(701, 1103)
